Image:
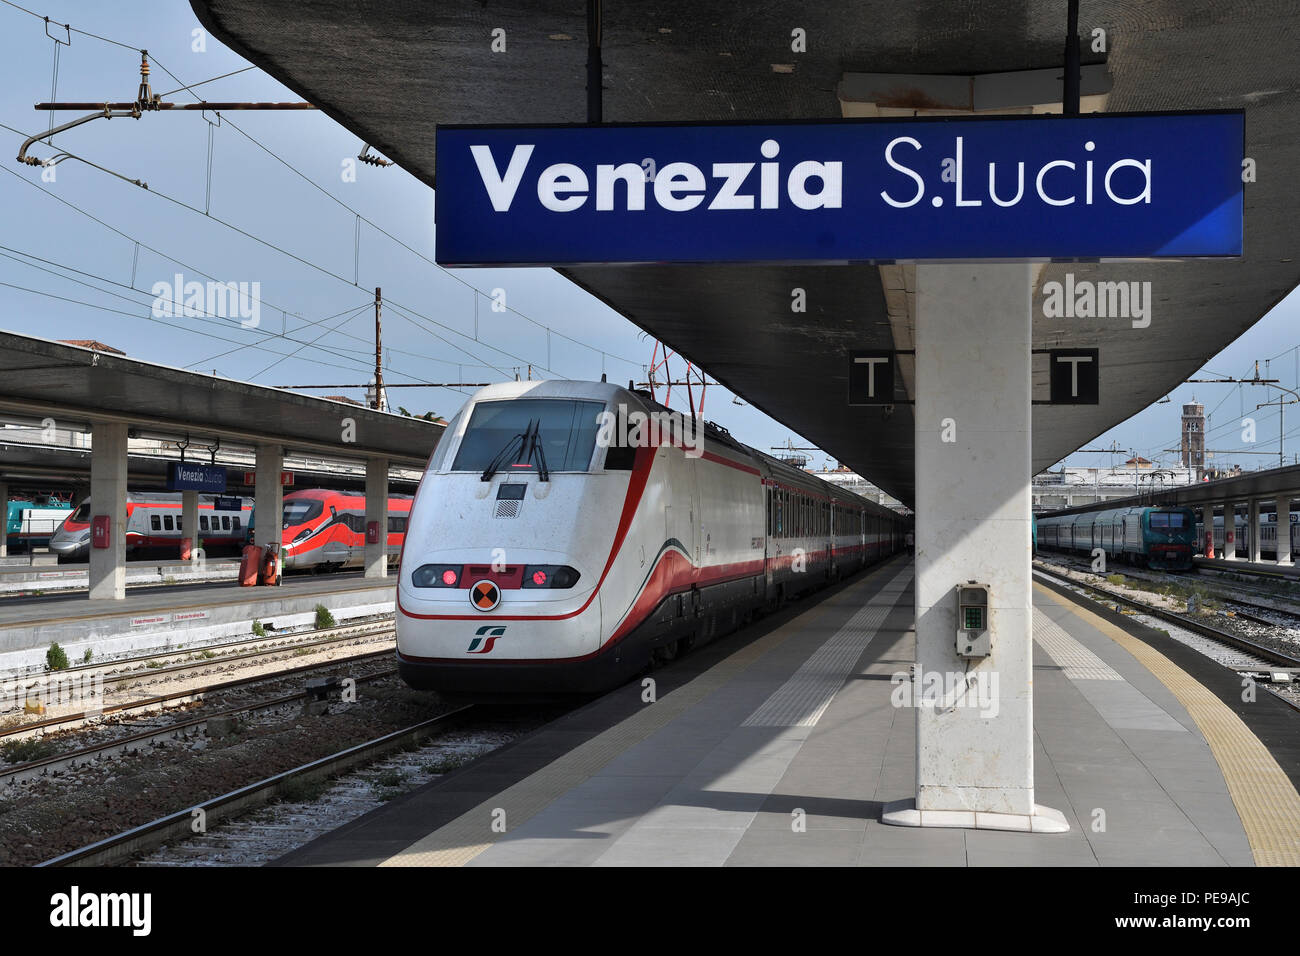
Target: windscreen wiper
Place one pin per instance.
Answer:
(505, 453)
(535, 430)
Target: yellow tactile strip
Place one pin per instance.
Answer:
(1263, 794)
(464, 838)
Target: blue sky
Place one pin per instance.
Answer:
(430, 328)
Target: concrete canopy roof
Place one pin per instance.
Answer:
(78, 386)
(391, 70)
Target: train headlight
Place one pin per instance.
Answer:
(549, 576)
(302, 535)
(436, 576)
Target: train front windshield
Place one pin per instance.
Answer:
(567, 430)
(1169, 520)
(300, 512)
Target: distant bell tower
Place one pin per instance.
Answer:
(1194, 438)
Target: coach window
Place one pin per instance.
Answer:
(225, 522)
(203, 522)
(155, 522)
(234, 522)
(167, 523)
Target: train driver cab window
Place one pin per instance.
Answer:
(300, 512)
(1167, 519)
(167, 523)
(494, 439)
(155, 522)
(619, 456)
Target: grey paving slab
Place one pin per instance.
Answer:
(707, 790)
(784, 847)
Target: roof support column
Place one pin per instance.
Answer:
(975, 738)
(108, 505)
(376, 517)
(4, 504)
(1252, 530)
(268, 496)
(1284, 530)
(1229, 531)
(189, 524)
(1207, 529)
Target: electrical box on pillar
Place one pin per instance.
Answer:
(973, 636)
(372, 532)
(102, 531)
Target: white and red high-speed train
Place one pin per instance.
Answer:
(541, 559)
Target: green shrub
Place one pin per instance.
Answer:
(323, 617)
(85, 658)
(33, 748)
(259, 629)
(56, 658)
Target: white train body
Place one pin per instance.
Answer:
(670, 543)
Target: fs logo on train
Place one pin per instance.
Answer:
(487, 637)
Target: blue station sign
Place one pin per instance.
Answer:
(1132, 186)
(183, 476)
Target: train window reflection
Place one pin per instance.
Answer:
(567, 430)
(296, 512)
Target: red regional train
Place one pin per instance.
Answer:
(544, 555)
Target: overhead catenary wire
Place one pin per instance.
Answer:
(207, 213)
(413, 312)
(184, 265)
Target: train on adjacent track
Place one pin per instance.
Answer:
(326, 530)
(1157, 537)
(1267, 535)
(153, 521)
(30, 523)
(567, 534)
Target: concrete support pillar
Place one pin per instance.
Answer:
(1252, 530)
(189, 524)
(4, 506)
(973, 472)
(1284, 530)
(268, 496)
(1229, 531)
(108, 500)
(1207, 530)
(376, 559)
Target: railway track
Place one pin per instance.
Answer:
(1270, 657)
(215, 654)
(179, 730)
(180, 824)
(167, 701)
(1226, 595)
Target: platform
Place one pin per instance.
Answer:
(781, 746)
(188, 613)
(22, 579)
